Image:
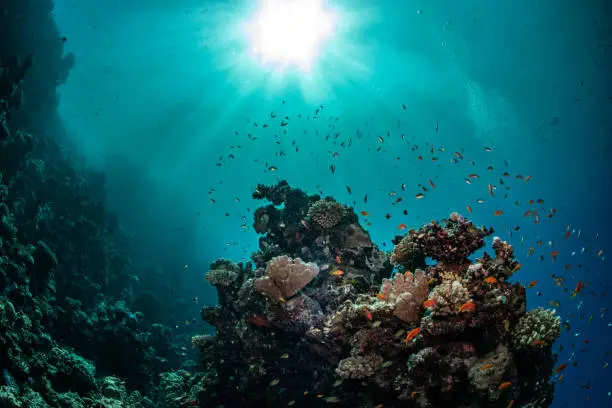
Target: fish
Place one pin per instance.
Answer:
(490, 279)
(554, 255)
(429, 303)
(365, 213)
(402, 227)
(560, 368)
(367, 313)
(348, 188)
(272, 168)
(578, 288)
(532, 283)
(412, 334)
(274, 382)
(285, 356)
(468, 306)
(431, 183)
(387, 364)
(380, 296)
(486, 367)
(469, 208)
(491, 190)
(337, 272)
(504, 386)
(332, 399)
(498, 213)
(419, 196)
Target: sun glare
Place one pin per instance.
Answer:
(290, 32)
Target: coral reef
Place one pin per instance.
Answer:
(332, 327)
(66, 265)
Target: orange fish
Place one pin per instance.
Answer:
(469, 208)
(401, 227)
(560, 368)
(504, 386)
(413, 394)
(510, 404)
(473, 176)
(527, 214)
(491, 190)
(367, 313)
(538, 342)
(517, 267)
(532, 283)
(337, 272)
(365, 213)
(498, 213)
(467, 307)
(578, 288)
(380, 296)
(429, 303)
(411, 335)
(554, 255)
(490, 279)
(486, 367)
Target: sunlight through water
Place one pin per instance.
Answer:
(290, 32)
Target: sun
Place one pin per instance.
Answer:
(290, 33)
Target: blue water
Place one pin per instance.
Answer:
(163, 92)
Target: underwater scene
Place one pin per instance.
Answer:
(305, 203)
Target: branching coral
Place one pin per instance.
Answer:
(407, 292)
(359, 367)
(449, 296)
(285, 277)
(326, 213)
(223, 273)
(538, 328)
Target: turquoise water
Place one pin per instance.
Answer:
(162, 93)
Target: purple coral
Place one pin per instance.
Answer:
(451, 243)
